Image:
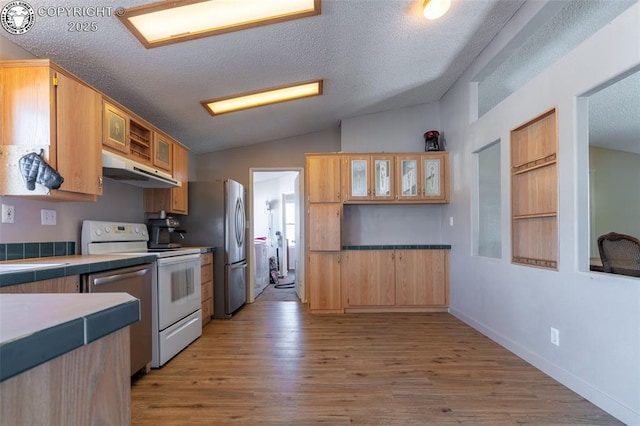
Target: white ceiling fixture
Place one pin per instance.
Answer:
(167, 22)
(433, 9)
(263, 97)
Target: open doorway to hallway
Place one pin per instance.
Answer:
(277, 237)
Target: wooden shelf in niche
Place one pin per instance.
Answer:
(534, 192)
(140, 141)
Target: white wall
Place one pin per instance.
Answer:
(598, 315)
(400, 130)
(391, 131)
(616, 193)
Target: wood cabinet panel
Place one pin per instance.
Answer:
(79, 120)
(115, 128)
(324, 282)
(368, 276)
(44, 107)
(535, 241)
(421, 278)
(534, 140)
(206, 279)
(537, 191)
(172, 200)
(163, 152)
(323, 178)
(70, 284)
(323, 224)
(89, 385)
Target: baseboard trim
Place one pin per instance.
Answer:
(607, 403)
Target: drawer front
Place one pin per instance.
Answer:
(206, 258)
(207, 290)
(206, 273)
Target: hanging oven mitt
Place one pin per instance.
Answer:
(35, 170)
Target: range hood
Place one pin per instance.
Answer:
(128, 171)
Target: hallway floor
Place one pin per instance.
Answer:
(273, 294)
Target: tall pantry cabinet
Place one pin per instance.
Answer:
(324, 212)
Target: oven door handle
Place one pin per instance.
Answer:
(177, 259)
(120, 277)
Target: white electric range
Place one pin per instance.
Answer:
(176, 297)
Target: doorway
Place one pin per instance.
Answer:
(276, 232)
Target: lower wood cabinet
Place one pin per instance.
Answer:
(323, 278)
(422, 277)
(368, 278)
(206, 278)
(396, 280)
(70, 284)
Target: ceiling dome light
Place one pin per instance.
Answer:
(433, 9)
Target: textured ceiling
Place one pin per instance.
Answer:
(374, 55)
(614, 116)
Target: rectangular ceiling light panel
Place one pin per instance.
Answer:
(168, 22)
(263, 97)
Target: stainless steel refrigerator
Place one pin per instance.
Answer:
(217, 219)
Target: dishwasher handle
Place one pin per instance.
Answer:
(120, 277)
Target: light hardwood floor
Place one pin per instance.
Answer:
(276, 364)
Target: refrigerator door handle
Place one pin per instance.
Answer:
(238, 265)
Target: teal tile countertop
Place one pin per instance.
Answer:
(36, 328)
(64, 266)
(400, 247)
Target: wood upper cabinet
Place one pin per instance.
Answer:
(421, 277)
(172, 200)
(368, 276)
(162, 151)
(323, 278)
(179, 196)
(115, 133)
(434, 177)
(368, 177)
(324, 225)
(47, 108)
(323, 178)
(423, 178)
(125, 134)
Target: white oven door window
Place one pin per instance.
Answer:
(179, 292)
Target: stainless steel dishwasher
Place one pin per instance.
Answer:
(135, 280)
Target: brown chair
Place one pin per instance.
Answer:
(620, 254)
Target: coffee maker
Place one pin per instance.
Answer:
(160, 233)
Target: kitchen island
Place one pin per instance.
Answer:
(64, 358)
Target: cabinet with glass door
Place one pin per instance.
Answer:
(423, 178)
(369, 177)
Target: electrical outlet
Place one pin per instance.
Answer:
(8, 213)
(47, 217)
(451, 221)
(555, 336)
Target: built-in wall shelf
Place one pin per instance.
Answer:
(534, 192)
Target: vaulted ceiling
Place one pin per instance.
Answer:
(374, 55)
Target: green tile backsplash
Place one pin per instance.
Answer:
(19, 251)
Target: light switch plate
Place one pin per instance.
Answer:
(47, 217)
